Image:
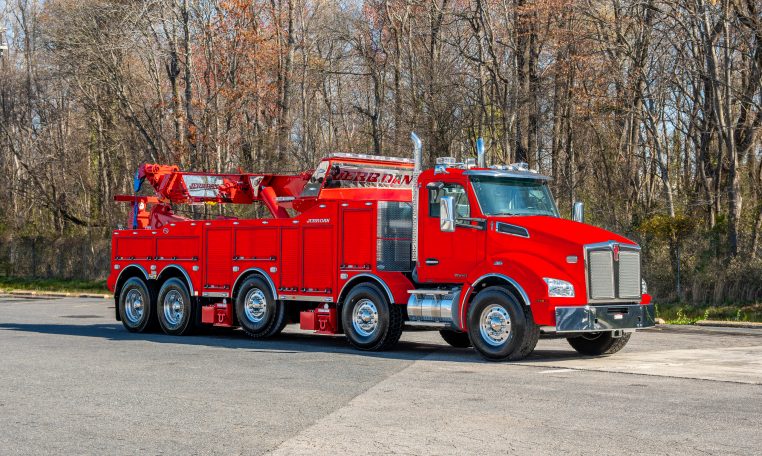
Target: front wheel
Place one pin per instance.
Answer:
(499, 327)
(370, 321)
(597, 344)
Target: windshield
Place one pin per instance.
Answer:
(510, 196)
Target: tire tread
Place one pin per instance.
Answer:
(455, 338)
(395, 328)
(607, 346)
(279, 322)
(531, 336)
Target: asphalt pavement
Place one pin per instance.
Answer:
(73, 381)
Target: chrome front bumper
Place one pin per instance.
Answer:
(610, 317)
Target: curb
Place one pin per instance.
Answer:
(730, 324)
(53, 294)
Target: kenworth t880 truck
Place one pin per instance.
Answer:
(368, 246)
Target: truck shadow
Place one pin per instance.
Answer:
(287, 342)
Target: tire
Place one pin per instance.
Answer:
(456, 339)
(281, 320)
(511, 334)
(369, 320)
(256, 310)
(136, 305)
(598, 344)
(175, 308)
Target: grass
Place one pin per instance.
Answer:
(54, 285)
(684, 314)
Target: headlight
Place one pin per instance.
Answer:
(559, 288)
(643, 286)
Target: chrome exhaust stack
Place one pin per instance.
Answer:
(578, 212)
(417, 167)
(481, 161)
(417, 152)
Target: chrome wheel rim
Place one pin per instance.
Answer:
(134, 306)
(495, 325)
(174, 308)
(255, 306)
(365, 317)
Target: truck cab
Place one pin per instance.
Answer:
(497, 231)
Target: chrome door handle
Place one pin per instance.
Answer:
(432, 261)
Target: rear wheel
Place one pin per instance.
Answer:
(175, 309)
(499, 327)
(597, 344)
(258, 313)
(135, 306)
(370, 321)
(456, 339)
(280, 321)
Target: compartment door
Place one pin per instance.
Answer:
(357, 239)
(290, 267)
(218, 253)
(256, 244)
(319, 269)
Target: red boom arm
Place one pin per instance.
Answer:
(180, 187)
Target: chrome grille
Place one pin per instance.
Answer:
(601, 275)
(613, 272)
(629, 274)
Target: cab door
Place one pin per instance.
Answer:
(448, 257)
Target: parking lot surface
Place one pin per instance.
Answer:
(75, 382)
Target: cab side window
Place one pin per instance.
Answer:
(458, 192)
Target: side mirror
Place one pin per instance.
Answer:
(447, 214)
(578, 212)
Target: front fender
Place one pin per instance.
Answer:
(526, 271)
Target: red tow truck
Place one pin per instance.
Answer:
(368, 246)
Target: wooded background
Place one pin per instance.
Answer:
(649, 111)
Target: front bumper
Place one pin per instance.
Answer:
(610, 317)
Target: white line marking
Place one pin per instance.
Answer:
(557, 371)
